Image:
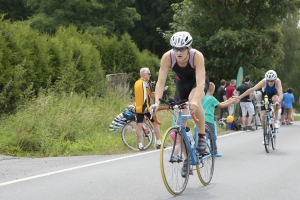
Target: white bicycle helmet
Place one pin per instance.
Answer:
(181, 39)
(270, 75)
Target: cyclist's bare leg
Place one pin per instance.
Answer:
(139, 132)
(156, 130)
(276, 108)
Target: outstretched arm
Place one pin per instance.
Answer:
(228, 102)
(250, 90)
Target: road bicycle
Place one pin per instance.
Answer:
(269, 130)
(176, 149)
(129, 135)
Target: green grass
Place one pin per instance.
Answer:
(70, 124)
(67, 125)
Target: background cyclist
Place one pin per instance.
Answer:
(271, 86)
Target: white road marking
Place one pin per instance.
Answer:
(89, 165)
(71, 169)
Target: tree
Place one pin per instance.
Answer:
(14, 10)
(232, 33)
(154, 14)
(105, 16)
(288, 68)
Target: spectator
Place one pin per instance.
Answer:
(209, 102)
(227, 84)
(283, 117)
(246, 105)
(142, 92)
(221, 92)
(288, 100)
(229, 93)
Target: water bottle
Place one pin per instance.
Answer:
(190, 135)
(266, 99)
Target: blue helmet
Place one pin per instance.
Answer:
(128, 115)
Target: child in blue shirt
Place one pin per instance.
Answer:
(209, 103)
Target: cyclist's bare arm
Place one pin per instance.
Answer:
(279, 89)
(165, 65)
(258, 86)
(200, 78)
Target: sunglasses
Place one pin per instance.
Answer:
(181, 49)
(148, 74)
(271, 81)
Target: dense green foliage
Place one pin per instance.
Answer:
(155, 14)
(111, 16)
(288, 68)
(231, 34)
(78, 58)
(15, 10)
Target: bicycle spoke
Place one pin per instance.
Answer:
(171, 170)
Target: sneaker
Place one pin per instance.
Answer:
(244, 128)
(250, 128)
(218, 155)
(201, 145)
(184, 169)
(277, 124)
(175, 158)
(158, 146)
(141, 148)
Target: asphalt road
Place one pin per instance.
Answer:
(245, 172)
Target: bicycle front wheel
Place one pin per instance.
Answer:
(129, 135)
(171, 161)
(205, 168)
(266, 135)
(273, 139)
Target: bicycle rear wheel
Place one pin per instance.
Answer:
(266, 135)
(171, 168)
(129, 135)
(205, 168)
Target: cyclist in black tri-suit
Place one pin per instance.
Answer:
(188, 65)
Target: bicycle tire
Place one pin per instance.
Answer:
(266, 135)
(129, 136)
(273, 140)
(205, 168)
(171, 170)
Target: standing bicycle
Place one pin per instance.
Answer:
(178, 154)
(129, 135)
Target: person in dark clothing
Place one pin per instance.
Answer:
(246, 105)
(221, 92)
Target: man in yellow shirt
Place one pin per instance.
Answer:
(142, 93)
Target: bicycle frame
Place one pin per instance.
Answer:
(192, 150)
